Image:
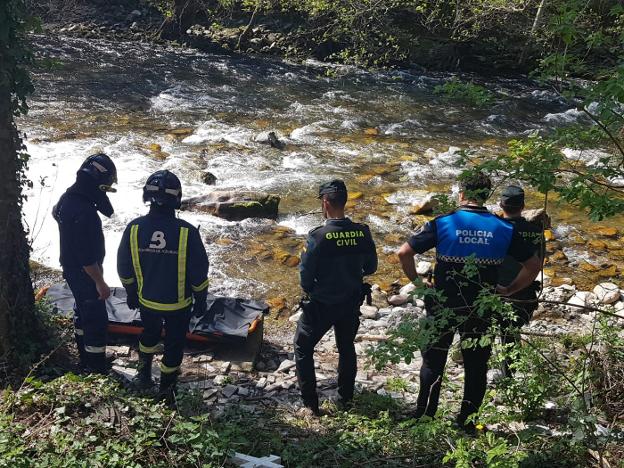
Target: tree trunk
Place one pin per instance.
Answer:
(536, 21)
(17, 317)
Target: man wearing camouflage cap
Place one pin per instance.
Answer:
(337, 255)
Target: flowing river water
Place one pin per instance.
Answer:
(387, 134)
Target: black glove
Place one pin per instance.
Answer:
(367, 293)
(200, 305)
(305, 304)
(132, 298)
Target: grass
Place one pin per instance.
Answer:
(75, 421)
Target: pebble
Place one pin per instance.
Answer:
(285, 365)
(398, 299)
(119, 350)
(273, 386)
(407, 289)
(220, 379)
(581, 298)
(261, 383)
(295, 317)
(126, 372)
(369, 312)
(229, 390)
(423, 267)
(203, 358)
(607, 293)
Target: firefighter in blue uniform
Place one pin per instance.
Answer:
(82, 255)
(163, 265)
(524, 301)
(469, 235)
(337, 256)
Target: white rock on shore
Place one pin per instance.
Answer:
(607, 293)
(398, 299)
(369, 312)
(407, 289)
(423, 267)
(582, 299)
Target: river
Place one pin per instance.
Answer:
(387, 134)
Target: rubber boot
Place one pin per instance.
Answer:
(167, 389)
(81, 353)
(144, 376)
(96, 363)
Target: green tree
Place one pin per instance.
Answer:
(17, 317)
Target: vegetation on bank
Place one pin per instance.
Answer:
(532, 420)
(481, 35)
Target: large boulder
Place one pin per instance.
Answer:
(425, 205)
(235, 205)
(538, 217)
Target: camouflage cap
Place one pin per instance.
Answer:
(335, 186)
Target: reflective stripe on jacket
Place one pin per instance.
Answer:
(166, 258)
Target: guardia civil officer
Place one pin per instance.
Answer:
(336, 257)
(469, 235)
(163, 265)
(82, 255)
(524, 301)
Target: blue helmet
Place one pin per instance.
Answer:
(163, 188)
(102, 170)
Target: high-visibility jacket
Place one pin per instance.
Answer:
(166, 259)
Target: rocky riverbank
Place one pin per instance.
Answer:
(272, 380)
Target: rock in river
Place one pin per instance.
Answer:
(235, 205)
(209, 178)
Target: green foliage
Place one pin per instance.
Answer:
(72, 420)
(489, 450)
(397, 384)
(470, 93)
(527, 394)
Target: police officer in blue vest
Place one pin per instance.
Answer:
(471, 236)
(82, 255)
(336, 257)
(163, 265)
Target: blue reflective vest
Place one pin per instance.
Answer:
(468, 234)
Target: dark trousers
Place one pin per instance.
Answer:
(90, 319)
(475, 365)
(510, 329)
(315, 321)
(176, 326)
